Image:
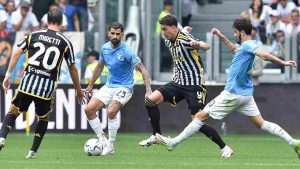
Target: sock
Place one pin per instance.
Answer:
(213, 135)
(40, 131)
(96, 126)
(274, 129)
(190, 130)
(7, 124)
(154, 117)
(112, 130)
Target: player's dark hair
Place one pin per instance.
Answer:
(55, 4)
(94, 54)
(169, 20)
(242, 24)
(295, 11)
(54, 17)
(168, 2)
(116, 25)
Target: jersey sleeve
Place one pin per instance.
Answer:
(133, 58)
(69, 54)
(186, 40)
(23, 43)
(252, 48)
(101, 57)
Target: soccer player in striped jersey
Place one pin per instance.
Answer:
(238, 92)
(45, 51)
(187, 82)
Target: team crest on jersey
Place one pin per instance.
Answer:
(105, 52)
(120, 57)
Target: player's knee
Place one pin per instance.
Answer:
(111, 114)
(14, 111)
(201, 116)
(88, 110)
(149, 102)
(44, 117)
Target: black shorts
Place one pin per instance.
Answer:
(194, 95)
(42, 107)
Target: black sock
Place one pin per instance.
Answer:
(154, 117)
(40, 131)
(213, 135)
(8, 123)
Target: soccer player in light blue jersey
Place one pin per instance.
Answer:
(238, 93)
(121, 62)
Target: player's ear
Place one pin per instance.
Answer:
(242, 32)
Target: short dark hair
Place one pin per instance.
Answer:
(169, 20)
(54, 17)
(243, 24)
(295, 11)
(116, 25)
(93, 53)
(168, 2)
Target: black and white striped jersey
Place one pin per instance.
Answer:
(188, 66)
(45, 50)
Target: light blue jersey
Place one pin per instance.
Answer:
(120, 63)
(239, 79)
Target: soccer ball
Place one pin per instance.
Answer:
(93, 147)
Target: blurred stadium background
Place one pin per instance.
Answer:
(276, 92)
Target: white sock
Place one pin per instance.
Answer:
(190, 130)
(278, 131)
(112, 130)
(96, 126)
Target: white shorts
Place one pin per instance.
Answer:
(227, 102)
(107, 94)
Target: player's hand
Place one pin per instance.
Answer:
(80, 97)
(215, 31)
(6, 84)
(187, 29)
(290, 63)
(195, 44)
(89, 89)
(88, 92)
(148, 93)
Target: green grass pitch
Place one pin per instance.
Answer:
(65, 151)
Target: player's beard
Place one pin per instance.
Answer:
(239, 39)
(115, 42)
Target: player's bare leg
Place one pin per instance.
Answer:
(112, 110)
(151, 103)
(275, 129)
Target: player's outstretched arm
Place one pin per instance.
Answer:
(227, 42)
(141, 68)
(12, 63)
(199, 45)
(97, 72)
(75, 78)
(267, 56)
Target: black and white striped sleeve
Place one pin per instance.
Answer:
(69, 54)
(23, 43)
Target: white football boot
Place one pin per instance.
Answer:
(108, 149)
(166, 141)
(149, 142)
(31, 155)
(226, 152)
(296, 147)
(2, 142)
